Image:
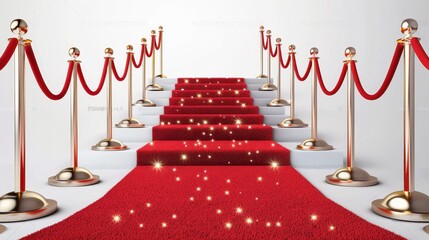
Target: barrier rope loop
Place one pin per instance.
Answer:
(102, 80)
(279, 52)
(387, 80)
(270, 46)
(295, 67)
(420, 52)
(8, 52)
(127, 65)
(158, 45)
(322, 84)
(142, 54)
(264, 43)
(152, 45)
(39, 78)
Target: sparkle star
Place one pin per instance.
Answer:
(239, 210)
(116, 218)
(249, 220)
(157, 165)
(313, 217)
(274, 164)
(228, 225)
(332, 228)
(184, 157)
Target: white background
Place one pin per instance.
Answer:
(216, 38)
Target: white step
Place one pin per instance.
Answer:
(260, 81)
(164, 81)
(314, 159)
(291, 134)
(263, 94)
(264, 110)
(148, 120)
(157, 110)
(256, 101)
(133, 134)
(153, 95)
(273, 120)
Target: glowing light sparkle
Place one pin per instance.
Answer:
(116, 218)
(228, 225)
(157, 165)
(249, 220)
(313, 217)
(239, 210)
(331, 228)
(274, 164)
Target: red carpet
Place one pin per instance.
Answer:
(211, 86)
(218, 202)
(211, 93)
(211, 119)
(211, 101)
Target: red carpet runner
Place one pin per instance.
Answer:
(217, 126)
(212, 121)
(217, 202)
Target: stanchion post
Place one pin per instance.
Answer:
(74, 176)
(314, 143)
(108, 143)
(161, 53)
(262, 75)
(278, 102)
(408, 204)
(268, 86)
(130, 122)
(144, 102)
(351, 176)
(154, 86)
(21, 204)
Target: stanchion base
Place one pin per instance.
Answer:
(268, 87)
(351, 177)
(109, 145)
(426, 229)
(22, 206)
(154, 87)
(73, 177)
(129, 123)
(144, 103)
(262, 76)
(2, 229)
(278, 103)
(404, 206)
(314, 145)
(292, 123)
(160, 76)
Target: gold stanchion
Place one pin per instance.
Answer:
(161, 55)
(2, 229)
(21, 204)
(154, 86)
(351, 176)
(262, 75)
(144, 102)
(130, 122)
(269, 86)
(74, 176)
(314, 143)
(279, 102)
(408, 204)
(108, 143)
(426, 229)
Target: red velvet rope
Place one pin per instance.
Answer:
(142, 55)
(100, 85)
(387, 79)
(295, 68)
(264, 43)
(339, 83)
(158, 45)
(273, 54)
(281, 57)
(127, 65)
(8, 52)
(38, 76)
(420, 52)
(152, 46)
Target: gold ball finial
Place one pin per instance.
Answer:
(153, 32)
(108, 51)
(268, 32)
(130, 48)
(74, 52)
(144, 40)
(409, 26)
(291, 48)
(261, 28)
(350, 52)
(160, 28)
(19, 26)
(278, 40)
(314, 51)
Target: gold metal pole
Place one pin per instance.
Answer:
(130, 122)
(262, 75)
(144, 102)
(21, 205)
(108, 143)
(313, 143)
(278, 102)
(408, 204)
(292, 122)
(154, 86)
(351, 176)
(269, 86)
(161, 54)
(74, 176)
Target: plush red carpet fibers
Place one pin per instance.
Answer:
(210, 93)
(211, 119)
(218, 202)
(210, 80)
(211, 110)
(211, 101)
(211, 86)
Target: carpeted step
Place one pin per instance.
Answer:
(211, 110)
(210, 80)
(213, 153)
(217, 202)
(208, 86)
(209, 132)
(210, 93)
(187, 101)
(211, 119)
